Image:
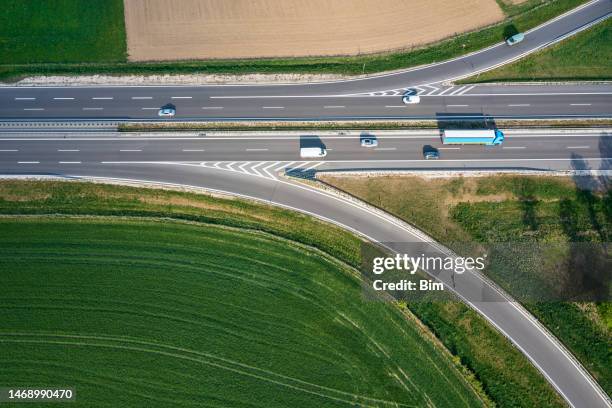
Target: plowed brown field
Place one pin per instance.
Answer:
(200, 29)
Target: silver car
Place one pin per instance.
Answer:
(166, 112)
(369, 142)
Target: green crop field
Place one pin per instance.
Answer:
(62, 31)
(150, 312)
(586, 56)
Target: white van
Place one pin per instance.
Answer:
(312, 152)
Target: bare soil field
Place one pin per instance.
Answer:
(202, 29)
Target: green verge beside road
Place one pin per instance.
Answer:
(13, 66)
(586, 56)
(194, 250)
(527, 210)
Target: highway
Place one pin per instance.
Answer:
(252, 167)
(524, 149)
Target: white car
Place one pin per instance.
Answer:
(369, 142)
(411, 99)
(166, 112)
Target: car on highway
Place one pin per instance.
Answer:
(515, 39)
(411, 99)
(369, 141)
(430, 153)
(166, 112)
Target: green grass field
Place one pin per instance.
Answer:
(586, 56)
(162, 313)
(62, 31)
(527, 210)
(65, 52)
(487, 359)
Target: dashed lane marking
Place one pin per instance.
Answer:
(142, 97)
(34, 109)
(68, 150)
(102, 98)
(70, 162)
(28, 162)
(578, 147)
(63, 99)
(25, 99)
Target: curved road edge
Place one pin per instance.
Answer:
(552, 359)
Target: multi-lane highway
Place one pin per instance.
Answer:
(276, 152)
(251, 166)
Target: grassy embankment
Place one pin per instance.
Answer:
(525, 210)
(62, 38)
(586, 56)
(155, 312)
(92, 248)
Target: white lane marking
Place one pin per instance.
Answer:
(102, 98)
(130, 150)
(9, 150)
(385, 148)
(256, 150)
(395, 106)
(449, 148)
(70, 162)
(212, 107)
(314, 166)
(334, 107)
(273, 107)
(142, 97)
(193, 150)
(578, 147)
(395, 96)
(150, 108)
(457, 91)
(456, 106)
(68, 150)
(284, 165)
(34, 109)
(63, 99)
(519, 104)
(90, 109)
(28, 162)
(25, 99)
(265, 170)
(181, 97)
(514, 147)
(256, 172)
(580, 104)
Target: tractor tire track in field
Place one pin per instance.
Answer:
(198, 357)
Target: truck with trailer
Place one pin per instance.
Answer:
(492, 137)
